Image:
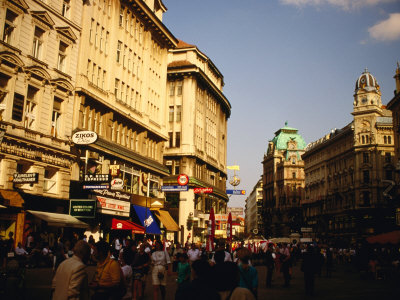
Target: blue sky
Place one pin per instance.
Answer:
(289, 60)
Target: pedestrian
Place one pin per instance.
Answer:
(329, 262)
(227, 278)
(270, 264)
(193, 253)
(248, 275)
(126, 261)
(140, 268)
(310, 267)
(108, 283)
(71, 281)
(183, 270)
(285, 267)
(201, 287)
(161, 261)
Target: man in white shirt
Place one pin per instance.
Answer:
(193, 253)
(20, 251)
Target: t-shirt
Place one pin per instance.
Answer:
(127, 272)
(140, 259)
(160, 258)
(193, 254)
(183, 272)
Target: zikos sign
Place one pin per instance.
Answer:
(84, 137)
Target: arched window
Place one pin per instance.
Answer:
(389, 139)
(385, 139)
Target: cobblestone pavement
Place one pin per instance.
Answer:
(344, 284)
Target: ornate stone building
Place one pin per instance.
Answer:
(283, 183)
(198, 113)
(38, 61)
(121, 95)
(254, 211)
(348, 171)
(394, 106)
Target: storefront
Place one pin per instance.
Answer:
(12, 216)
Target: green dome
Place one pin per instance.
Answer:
(286, 134)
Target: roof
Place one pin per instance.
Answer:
(182, 44)
(284, 135)
(179, 63)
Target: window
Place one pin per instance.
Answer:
(119, 48)
(388, 174)
(101, 38)
(18, 107)
(30, 107)
(171, 114)
(179, 88)
(62, 55)
(91, 31)
(363, 140)
(9, 26)
(294, 175)
(124, 57)
(385, 139)
(141, 34)
(170, 139)
(177, 139)
(177, 168)
(116, 89)
(172, 89)
(56, 117)
(121, 16)
(103, 80)
(366, 199)
(388, 157)
(66, 8)
(50, 181)
(365, 157)
(365, 176)
(178, 113)
(122, 91)
(37, 43)
(106, 43)
(96, 37)
(389, 139)
(131, 182)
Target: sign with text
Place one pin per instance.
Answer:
(117, 184)
(113, 207)
(82, 208)
(237, 211)
(174, 188)
(95, 187)
(236, 192)
(117, 195)
(84, 137)
(93, 178)
(203, 190)
(26, 177)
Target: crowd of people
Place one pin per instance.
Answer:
(124, 265)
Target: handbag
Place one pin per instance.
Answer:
(160, 275)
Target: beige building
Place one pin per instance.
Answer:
(198, 113)
(121, 95)
(38, 61)
(254, 212)
(283, 183)
(348, 171)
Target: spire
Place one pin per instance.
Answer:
(397, 78)
(286, 122)
(366, 70)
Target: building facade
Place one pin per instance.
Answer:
(198, 113)
(394, 106)
(349, 170)
(38, 62)
(283, 183)
(121, 96)
(254, 211)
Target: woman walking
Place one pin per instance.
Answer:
(160, 260)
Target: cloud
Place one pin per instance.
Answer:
(343, 4)
(386, 30)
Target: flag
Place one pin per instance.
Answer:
(235, 167)
(229, 231)
(211, 231)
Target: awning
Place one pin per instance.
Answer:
(11, 198)
(147, 219)
(126, 225)
(167, 220)
(58, 220)
(385, 238)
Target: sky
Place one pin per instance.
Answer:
(288, 60)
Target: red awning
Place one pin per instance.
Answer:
(126, 225)
(385, 238)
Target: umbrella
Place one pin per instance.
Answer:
(385, 238)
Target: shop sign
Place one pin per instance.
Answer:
(236, 192)
(235, 211)
(82, 208)
(114, 170)
(84, 137)
(306, 229)
(113, 194)
(95, 187)
(203, 190)
(113, 207)
(26, 177)
(117, 184)
(93, 178)
(174, 188)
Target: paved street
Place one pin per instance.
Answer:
(345, 284)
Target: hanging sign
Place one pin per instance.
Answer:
(117, 184)
(84, 137)
(26, 177)
(203, 190)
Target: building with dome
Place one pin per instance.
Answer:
(283, 182)
(349, 171)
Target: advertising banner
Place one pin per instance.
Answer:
(82, 208)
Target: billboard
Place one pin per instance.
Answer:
(237, 211)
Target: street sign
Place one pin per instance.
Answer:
(236, 192)
(203, 190)
(183, 179)
(174, 188)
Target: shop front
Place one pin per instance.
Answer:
(12, 216)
